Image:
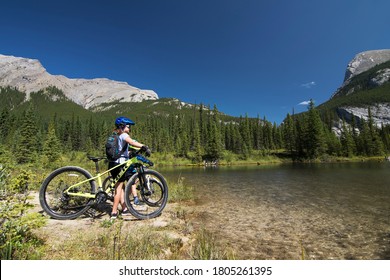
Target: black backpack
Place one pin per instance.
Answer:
(112, 147)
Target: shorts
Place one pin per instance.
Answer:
(116, 171)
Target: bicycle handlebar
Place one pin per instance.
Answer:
(140, 157)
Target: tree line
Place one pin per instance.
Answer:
(206, 135)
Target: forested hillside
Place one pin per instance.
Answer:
(49, 124)
(361, 91)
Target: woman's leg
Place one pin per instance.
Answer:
(118, 197)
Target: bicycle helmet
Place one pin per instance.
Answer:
(123, 121)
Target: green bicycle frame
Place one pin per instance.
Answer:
(98, 177)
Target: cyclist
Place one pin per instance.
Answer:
(123, 127)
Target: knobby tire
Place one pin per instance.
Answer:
(59, 205)
(154, 201)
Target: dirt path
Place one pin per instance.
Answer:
(174, 223)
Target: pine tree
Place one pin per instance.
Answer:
(196, 144)
(213, 148)
(26, 137)
(76, 136)
(51, 147)
(333, 145)
(347, 142)
(268, 141)
(376, 146)
(277, 136)
(5, 124)
(202, 125)
(385, 135)
(289, 134)
(246, 135)
(314, 135)
(355, 133)
(364, 140)
(257, 134)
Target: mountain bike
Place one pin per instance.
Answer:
(70, 191)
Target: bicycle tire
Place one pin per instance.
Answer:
(154, 202)
(59, 205)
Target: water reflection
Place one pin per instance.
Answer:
(311, 211)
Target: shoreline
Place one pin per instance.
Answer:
(281, 161)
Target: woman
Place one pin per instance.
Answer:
(123, 126)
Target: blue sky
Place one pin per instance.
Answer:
(249, 57)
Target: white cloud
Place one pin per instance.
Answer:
(304, 103)
(309, 84)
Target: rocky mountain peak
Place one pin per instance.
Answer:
(364, 61)
(361, 63)
(28, 75)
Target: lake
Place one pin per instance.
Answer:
(295, 211)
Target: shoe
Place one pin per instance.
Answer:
(114, 216)
(126, 213)
(137, 201)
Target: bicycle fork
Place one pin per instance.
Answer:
(144, 182)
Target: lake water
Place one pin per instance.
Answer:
(295, 211)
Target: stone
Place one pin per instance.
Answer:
(28, 75)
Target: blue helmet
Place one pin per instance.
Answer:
(122, 121)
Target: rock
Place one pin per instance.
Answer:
(365, 61)
(360, 63)
(28, 75)
(380, 113)
(383, 76)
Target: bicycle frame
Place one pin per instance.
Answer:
(127, 164)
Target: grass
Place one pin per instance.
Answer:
(123, 240)
(207, 248)
(179, 191)
(117, 240)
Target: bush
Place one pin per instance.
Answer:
(17, 240)
(178, 191)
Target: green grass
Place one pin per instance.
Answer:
(207, 248)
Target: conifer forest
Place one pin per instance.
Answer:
(204, 134)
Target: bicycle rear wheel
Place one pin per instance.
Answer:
(153, 195)
(60, 205)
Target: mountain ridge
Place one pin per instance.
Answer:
(363, 62)
(28, 75)
(367, 77)
(365, 90)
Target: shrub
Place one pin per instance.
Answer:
(17, 240)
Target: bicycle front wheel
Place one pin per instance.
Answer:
(152, 192)
(60, 205)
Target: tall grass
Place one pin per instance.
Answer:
(207, 248)
(178, 191)
(122, 240)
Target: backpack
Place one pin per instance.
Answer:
(112, 147)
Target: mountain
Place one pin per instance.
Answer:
(361, 63)
(366, 87)
(24, 79)
(28, 75)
